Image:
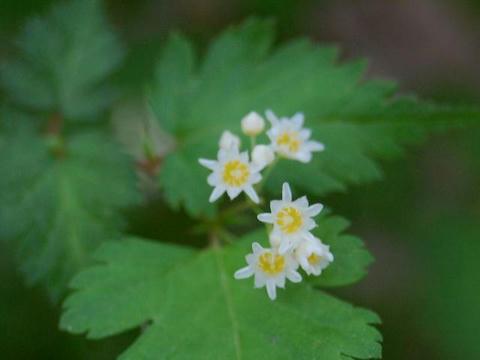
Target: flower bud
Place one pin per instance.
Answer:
(252, 124)
(227, 140)
(262, 155)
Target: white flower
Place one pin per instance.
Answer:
(270, 269)
(233, 173)
(227, 140)
(313, 256)
(263, 155)
(290, 139)
(292, 220)
(252, 124)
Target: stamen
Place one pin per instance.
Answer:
(235, 173)
(271, 264)
(289, 220)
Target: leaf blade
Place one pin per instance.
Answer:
(200, 311)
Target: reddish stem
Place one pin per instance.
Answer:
(150, 166)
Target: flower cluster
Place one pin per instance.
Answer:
(292, 243)
(233, 172)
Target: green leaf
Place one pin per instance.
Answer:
(194, 309)
(351, 257)
(63, 59)
(359, 121)
(173, 73)
(55, 209)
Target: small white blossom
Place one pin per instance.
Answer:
(313, 256)
(252, 124)
(233, 173)
(270, 269)
(290, 139)
(228, 139)
(292, 220)
(263, 155)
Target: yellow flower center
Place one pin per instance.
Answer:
(289, 219)
(314, 259)
(235, 173)
(289, 141)
(271, 264)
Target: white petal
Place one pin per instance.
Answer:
(305, 134)
(250, 258)
(265, 218)
(305, 264)
(256, 247)
(275, 239)
(286, 192)
(228, 139)
(212, 179)
(309, 237)
(314, 209)
(284, 247)
(275, 205)
(297, 119)
(216, 193)
(304, 156)
(223, 154)
(259, 281)
(271, 290)
(301, 202)
(329, 256)
(234, 149)
(210, 164)
(233, 192)
(271, 116)
(294, 276)
(315, 146)
(316, 243)
(256, 178)
(252, 194)
(243, 273)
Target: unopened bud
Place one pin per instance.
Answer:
(252, 124)
(227, 140)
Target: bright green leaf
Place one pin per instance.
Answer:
(63, 59)
(192, 308)
(351, 257)
(239, 74)
(56, 209)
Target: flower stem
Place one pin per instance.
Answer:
(253, 142)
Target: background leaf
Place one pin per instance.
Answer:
(195, 309)
(358, 121)
(63, 60)
(56, 209)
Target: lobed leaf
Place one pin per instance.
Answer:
(63, 60)
(359, 121)
(55, 210)
(191, 307)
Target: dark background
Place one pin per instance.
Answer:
(421, 222)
